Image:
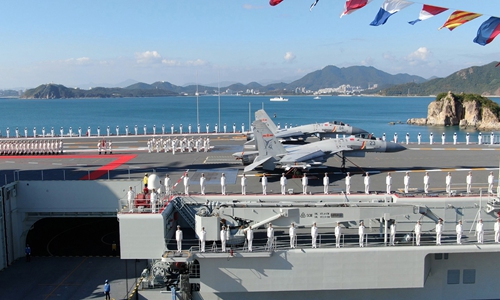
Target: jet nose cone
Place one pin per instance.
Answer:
(356, 130)
(393, 147)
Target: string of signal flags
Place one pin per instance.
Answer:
(488, 30)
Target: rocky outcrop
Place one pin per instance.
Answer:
(472, 111)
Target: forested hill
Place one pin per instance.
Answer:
(483, 80)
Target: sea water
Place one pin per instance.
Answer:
(374, 114)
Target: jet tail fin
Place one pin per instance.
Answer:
(264, 117)
(267, 143)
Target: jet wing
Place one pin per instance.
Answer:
(256, 163)
(288, 134)
(305, 156)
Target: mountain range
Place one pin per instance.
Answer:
(478, 79)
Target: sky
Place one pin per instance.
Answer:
(97, 42)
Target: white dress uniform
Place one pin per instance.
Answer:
(202, 184)
(270, 236)
(243, 185)
(418, 233)
(223, 239)
(361, 233)
(283, 181)
(292, 232)
(439, 232)
(448, 183)
(388, 183)
(250, 238)
(443, 138)
(393, 234)
(455, 138)
(407, 138)
(468, 181)
(326, 183)
(168, 185)
(264, 184)
(459, 230)
(154, 201)
(480, 231)
(348, 184)
(491, 179)
(419, 138)
(203, 238)
(186, 185)
(130, 199)
(496, 228)
(178, 238)
(431, 138)
(406, 181)
(426, 183)
(223, 184)
(305, 182)
(314, 235)
(338, 233)
(367, 184)
(480, 139)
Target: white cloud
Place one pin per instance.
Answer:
(170, 62)
(289, 57)
(250, 6)
(197, 62)
(77, 61)
(148, 57)
(421, 54)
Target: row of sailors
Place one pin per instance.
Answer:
(174, 145)
(106, 146)
(326, 183)
(292, 233)
(31, 147)
(480, 139)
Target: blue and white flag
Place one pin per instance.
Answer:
(389, 7)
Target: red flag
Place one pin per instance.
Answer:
(275, 2)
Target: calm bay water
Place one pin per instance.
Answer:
(370, 113)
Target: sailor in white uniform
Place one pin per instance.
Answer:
(407, 138)
(454, 138)
(418, 233)
(383, 137)
(480, 231)
(243, 184)
(467, 138)
(480, 139)
(431, 138)
(250, 238)
(396, 137)
(468, 181)
(367, 183)
(443, 138)
(223, 183)
(406, 181)
(348, 183)
(168, 185)
(426, 182)
(223, 238)
(305, 182)
(178, 238)
(154, 200)
(388, 183)
(459, 230)
(283, 183)
(419, 138)
(186, 184)
(361, 233)
(448, 183)
(439, 231)
(314, 235)
(270, 236)
(264, 184)
(491, 179)
(326, 182)
(338, 233)
(292, 232)
(203, 238)
(130, 198)
(202, 183)
(393, 234)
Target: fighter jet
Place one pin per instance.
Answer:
(272, 154)
(301, 133)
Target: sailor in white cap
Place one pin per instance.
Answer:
(283, 183)
(250, 238)
(202, 183)
(393, 234)
(203, 238)
(223, 238)
(292, 232)
(338, 233)
(468, 181)
(406, 181)
(439, 231)
(480, 231)
(270, 236)
(496, 228)
(361, 233)
(326, 183)
(186, 184)
(314, 235)
(264, 184)
(130, 198)
(426, 182)
(367, 183)
(459, 230)
(388, 182)
(491, 179)
(305, 182)
(418, 233)
(348, 183)
(243, 184)
(223, 183)
(178, 238)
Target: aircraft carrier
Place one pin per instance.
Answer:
(58, 186)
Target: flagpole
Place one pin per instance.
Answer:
(218, 92)
(197, 104)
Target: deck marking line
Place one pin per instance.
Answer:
(109, 167)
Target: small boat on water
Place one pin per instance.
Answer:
(279, 99)
(317, 98)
